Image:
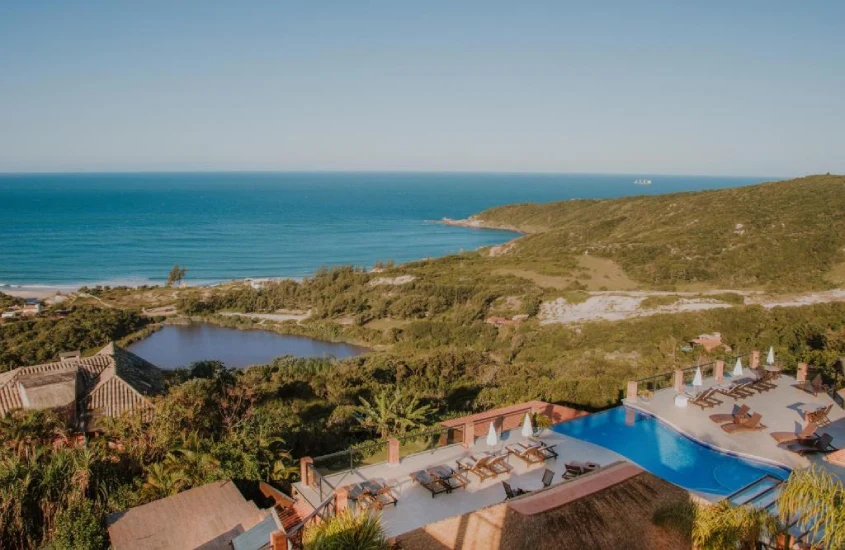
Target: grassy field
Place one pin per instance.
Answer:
(785, 235)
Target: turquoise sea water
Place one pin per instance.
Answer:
(68, 229)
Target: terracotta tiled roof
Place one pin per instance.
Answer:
(109, 383)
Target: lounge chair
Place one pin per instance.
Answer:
(511, 492)
(705, 399)
(478, 467)
(737, 416)
(430, 482)
(545, 451)
(820, 445)
(577, 468)
(523, 454)
(814, 386)
(737, 390)
(751, 424)
(763, 383)
(499, 465)
(379, 493)
(548, 477)
(449, 476)
(804, 436)
(819, 416)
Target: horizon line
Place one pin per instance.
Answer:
(377, 171)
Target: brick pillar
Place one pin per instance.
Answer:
(393, 451)
(278, 541)
(631, 394)
(469, 435)
(801, 375)
(678, 381)
(341, 499)
(304, 471)
(719, 371)
(755, 359)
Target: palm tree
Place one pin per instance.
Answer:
(162, 481)
(347, 531)
(718, 526)
(394, 412)
(817, 500)
(24, 430)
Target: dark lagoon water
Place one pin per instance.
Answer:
(178, 346)
(72, 229)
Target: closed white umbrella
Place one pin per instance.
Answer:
(770, 359)
(527, 429)
(492, 438)
(738, 367)
(697, 379)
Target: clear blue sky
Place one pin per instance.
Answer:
(739, 87)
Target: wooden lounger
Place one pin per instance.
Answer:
(545, 451)
(477, 467)
(430, 482)
(705, 399)
(737, 390)
(499, 464)
(763, 383)
(805, 436)
(820, 445)
(737, 416)
(449, 476)
(523, 454)
(819, 416)
(751, 424)
(814, 386)
(577, 468)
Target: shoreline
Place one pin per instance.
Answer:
(474, 222)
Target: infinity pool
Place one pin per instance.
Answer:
(666, 453)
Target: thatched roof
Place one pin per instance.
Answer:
(108, 383)
(206, 517)
(616, 516)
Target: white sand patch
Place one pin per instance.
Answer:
(400, 280)
(279, 317)
(619, 305)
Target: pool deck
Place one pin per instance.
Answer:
(416, 507)
(782, 409)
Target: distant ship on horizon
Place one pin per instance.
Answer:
(642, 182)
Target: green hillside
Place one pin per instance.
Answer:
(781, 235)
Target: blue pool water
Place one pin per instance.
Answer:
(666, 453)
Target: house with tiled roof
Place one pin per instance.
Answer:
(84, 389)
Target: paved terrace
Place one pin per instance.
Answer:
(416, 506)
(782, 409)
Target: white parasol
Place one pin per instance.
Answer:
(527, 429)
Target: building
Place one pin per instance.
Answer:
(31, 307)
(208, 517)
(84, 389)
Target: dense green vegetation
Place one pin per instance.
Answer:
(433, 357)
(41, 339)
(7, 301)
(782, 235)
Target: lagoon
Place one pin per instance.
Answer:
(177, 346)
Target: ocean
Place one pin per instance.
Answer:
(73, 229)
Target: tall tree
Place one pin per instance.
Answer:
(176, 275)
